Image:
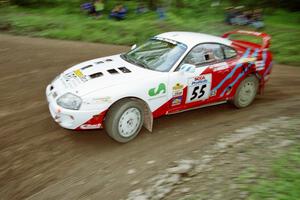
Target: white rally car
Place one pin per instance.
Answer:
(170, 73)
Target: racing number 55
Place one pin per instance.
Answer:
(198, 93)
(198, 88)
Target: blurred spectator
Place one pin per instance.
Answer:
(257, 19)
(118, 13)
(88, 7)
(98, 7)
(229, 14)
(141, 8)
(248, 15)
(240, 17)
(94, 8)
(236, 16)
(160, 10)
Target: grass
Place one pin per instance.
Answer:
(280, 182)
(69, 24)
(285, 181)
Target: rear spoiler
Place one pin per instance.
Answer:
(265, 37)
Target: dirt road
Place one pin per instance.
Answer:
(40, 160)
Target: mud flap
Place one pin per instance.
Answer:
(261, 84)
(148, 119)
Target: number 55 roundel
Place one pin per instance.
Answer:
(199, 88)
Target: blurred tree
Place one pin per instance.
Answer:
(293, 5)
(46, 2)
(179, 3)
(153, 4)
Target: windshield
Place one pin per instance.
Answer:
(158, 55)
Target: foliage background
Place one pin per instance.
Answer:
(291, 4)
(63, 19)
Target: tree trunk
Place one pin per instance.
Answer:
(152, 4)
(179, 4)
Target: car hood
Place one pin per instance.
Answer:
(98, 74)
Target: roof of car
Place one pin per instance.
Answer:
(191, 39)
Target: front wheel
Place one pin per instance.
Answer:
(246, 92)
(124, 120)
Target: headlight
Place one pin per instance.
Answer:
(69, 101)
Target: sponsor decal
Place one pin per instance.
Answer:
(178, 86)
(69, 76)
(260, 65)
(177, 90)
(198, 80)
(161, 89)
(228, 91)
(177, 93)
(90, 126)
(75, 75)
(80, 75)
(103, 100)
(177, 101)
(99, 100)
(199, 88)
(213, 93)
(247, 60)
(167, 40)
(220, 67)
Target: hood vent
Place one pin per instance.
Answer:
(112, 71)
(124, 70)
(101, 61)
(96, 75)
(87, 67)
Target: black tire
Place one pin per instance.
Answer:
(246, 92)
(127, 109)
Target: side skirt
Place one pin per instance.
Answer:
(207, 105)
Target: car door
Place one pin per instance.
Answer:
(190, 89)
(223, 75)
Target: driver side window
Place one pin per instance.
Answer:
(204, 54)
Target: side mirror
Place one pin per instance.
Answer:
(133, 46)
(187, 68)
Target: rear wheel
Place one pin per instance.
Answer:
(124, 120)
(246, 92)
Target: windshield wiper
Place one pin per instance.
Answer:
(125, 57)
(140, 63)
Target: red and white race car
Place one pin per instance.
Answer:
(170, 73)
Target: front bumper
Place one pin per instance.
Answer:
(71, 119)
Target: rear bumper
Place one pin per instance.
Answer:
(72, 119)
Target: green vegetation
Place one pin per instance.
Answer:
(284, 181)
(280, 181)
(67, 22)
